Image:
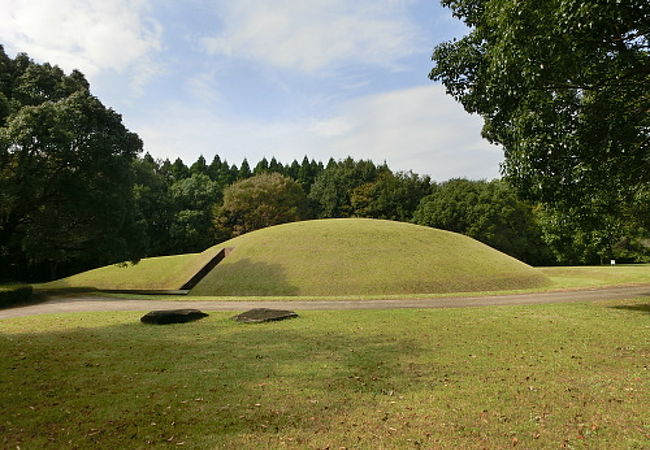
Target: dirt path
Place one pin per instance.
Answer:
(83, 303)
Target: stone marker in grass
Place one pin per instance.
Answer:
(258, 315)
(172, 316)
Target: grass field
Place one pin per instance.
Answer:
(350, 259)
(597, 276)
(570, 375)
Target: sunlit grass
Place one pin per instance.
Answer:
(562, 279)
(596, 276)
(361, 257)
(537, 376)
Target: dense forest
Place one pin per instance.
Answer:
(76, 193)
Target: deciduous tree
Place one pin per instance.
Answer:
(66, 182)
(333, 187)
(261, 201)
(193, 199)
(390, 196)
(489, 212)
(563, 86)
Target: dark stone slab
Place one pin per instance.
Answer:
(172, 316)
(258, 315)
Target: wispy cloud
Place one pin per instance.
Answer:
(202, 87)
(314, 35)
(92, 36)
(419, 129)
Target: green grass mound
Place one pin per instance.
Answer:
(361, 257)
(160, 273)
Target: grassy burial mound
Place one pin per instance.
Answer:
(361, 257)
(326, 257)
(160, 273)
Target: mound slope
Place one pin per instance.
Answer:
(361, 257)
(159, 273)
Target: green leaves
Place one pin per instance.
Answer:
(261, 201)
(65, 171)
(489, 212)
(390, 196)
(563, 86)
(334, 186)
(192, 198)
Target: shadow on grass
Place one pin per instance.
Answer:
(42, 295)
(245, 277)
(644, 307)
(210, 378)
(63, 290)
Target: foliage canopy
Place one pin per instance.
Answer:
(261, 201)
(489, 212)
(563, 86)
(65, 170)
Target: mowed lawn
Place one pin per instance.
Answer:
(562, 278)
(572, 375)
(597, 276)
(336, 257)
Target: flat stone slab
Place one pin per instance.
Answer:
(165, 317)
(258, 315)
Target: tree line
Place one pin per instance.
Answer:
(76, 194)
(489, 211)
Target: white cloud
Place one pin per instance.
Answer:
(91, 35)
(419, 129)
(315, 35)
(202, 87)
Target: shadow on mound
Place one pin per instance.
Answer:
(245, 277)
(198, 276)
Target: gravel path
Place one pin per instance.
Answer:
(84, 303)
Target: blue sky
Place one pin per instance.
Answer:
(254, 78)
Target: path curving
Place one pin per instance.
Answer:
(87, 303)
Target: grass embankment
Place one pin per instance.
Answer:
(361, 257)
(328, 257)
(351, 259)
(541, 376)
(160, 273)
